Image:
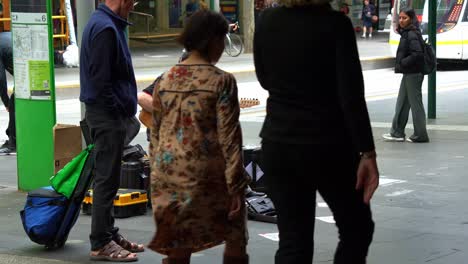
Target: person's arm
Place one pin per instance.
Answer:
(257, 52)
(102, 60)
(416, 53)
(230, 135)
(145, 98)
(350, 86)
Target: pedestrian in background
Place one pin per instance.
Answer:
(197, 175)
(191, 7)
(6, 65)
(344, 8)
(108, 89)
(316, 135)
(368, 11)
(410, 62)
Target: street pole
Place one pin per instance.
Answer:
(84, 9)
(431, 94)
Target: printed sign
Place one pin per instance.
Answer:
(31, 49)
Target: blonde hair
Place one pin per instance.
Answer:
(291, 3)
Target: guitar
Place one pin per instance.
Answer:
(145, 116)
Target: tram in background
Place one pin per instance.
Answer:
(452, 26)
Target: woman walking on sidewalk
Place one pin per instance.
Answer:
(198, 179)
(410, 62)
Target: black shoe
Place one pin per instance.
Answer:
(417, 141)
(8, 151)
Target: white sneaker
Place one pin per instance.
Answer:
(370, 35)
(389, 137)
(363, 36)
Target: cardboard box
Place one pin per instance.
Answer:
(67, 144)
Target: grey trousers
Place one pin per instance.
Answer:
(410, 97)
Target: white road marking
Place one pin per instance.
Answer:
(387, 182)
(399, 193)
(271, 236)
(326, 219)
(322, 205)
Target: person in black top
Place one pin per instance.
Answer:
(6, 64)
(409, 61)
(317, 134)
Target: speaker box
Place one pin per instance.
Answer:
(252, 164)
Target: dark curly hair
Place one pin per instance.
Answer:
(203, 26)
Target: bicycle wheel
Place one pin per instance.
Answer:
(233, 45)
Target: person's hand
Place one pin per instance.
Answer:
(236, 205)
(8, 110)
(368, 176)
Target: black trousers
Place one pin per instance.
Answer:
(293, 174)
(11, 129)
(108, 134)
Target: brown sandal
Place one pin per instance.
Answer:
(124, 243)
(113, 252)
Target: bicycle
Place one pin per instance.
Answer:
(233, 45)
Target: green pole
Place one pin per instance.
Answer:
(431, 112)
(34, 92)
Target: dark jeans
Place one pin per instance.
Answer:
(294, 173)
(11, 129)
(108, 134)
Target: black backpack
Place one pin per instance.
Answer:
(430, 59)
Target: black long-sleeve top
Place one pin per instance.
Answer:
(307, 59)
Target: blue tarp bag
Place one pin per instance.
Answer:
(43, 213)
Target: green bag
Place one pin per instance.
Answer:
(65, 180)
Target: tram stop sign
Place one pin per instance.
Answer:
(34, 91)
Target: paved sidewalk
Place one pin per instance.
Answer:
(420, 207)
(151, 61)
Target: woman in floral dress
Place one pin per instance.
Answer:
(198, 180)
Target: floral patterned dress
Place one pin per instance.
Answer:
(196, 159)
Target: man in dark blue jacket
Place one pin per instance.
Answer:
(108, 89)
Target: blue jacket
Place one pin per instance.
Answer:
(106, 71)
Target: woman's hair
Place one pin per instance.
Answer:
(202, 27)
(412, 15)
(291, 3)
